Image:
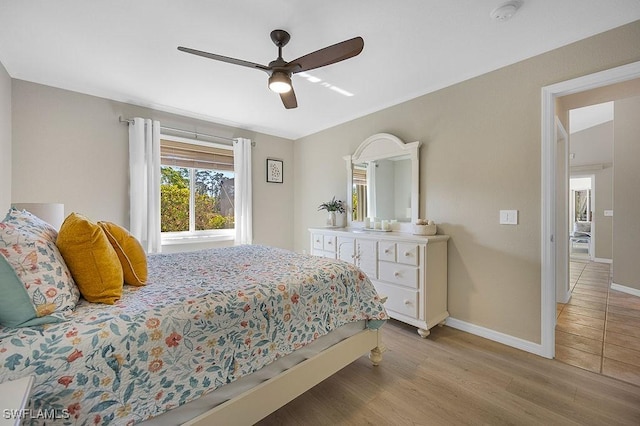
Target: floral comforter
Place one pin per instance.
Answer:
(204, 319)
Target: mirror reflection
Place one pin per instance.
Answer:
(382, 189)
(359, 195)
(382, 182)
(582, 205)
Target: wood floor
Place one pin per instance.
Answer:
(455, 378)
(599, 329)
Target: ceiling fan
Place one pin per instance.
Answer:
(280, 71)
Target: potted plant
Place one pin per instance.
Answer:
(332, 207)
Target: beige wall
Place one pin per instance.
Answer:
(626, 223)
(604, 178)
(603, 224)
(481, 153)
(5, 141)
(70, 148)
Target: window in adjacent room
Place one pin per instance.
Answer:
(196, 190)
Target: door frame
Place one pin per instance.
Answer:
(548, 186)
(563, 291)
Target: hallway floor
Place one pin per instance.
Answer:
(599, 328)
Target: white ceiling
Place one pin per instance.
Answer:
(126, 50)
(591, 130)
(589, 116)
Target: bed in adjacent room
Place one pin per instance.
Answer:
(240, 318)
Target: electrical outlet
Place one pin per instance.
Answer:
(608, 212)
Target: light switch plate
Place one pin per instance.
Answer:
(508, 217)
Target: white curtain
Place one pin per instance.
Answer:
(371, 189)
(243, 205)
(144, 183)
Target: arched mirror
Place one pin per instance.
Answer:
(382, 181)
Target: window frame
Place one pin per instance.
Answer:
(195, 236)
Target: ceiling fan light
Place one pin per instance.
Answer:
(280, 82)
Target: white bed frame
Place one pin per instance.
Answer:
(256, 403)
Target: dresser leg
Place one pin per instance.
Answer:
(423, 333)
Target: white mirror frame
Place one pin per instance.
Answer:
(378, 147)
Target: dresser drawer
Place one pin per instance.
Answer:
(329, 243)
(401, 300)
(408, 254)
(387, 251)
(329, 254)
(318, 241)
(322, 253)
(398, 274)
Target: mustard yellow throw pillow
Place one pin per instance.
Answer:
(130, 253)
(91, 259)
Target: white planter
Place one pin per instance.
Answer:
(331, 219)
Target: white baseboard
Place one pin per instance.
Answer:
(625, 289)
(496, 336)
(602, 260)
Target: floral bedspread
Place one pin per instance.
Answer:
(204, 319)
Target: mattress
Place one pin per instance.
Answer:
(204, 320)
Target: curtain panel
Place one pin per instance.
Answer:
(144, 183)
(243, 195)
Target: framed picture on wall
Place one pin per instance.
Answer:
(274, 170)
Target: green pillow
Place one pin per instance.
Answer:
(16, 309)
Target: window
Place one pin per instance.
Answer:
(196, 189)
(359, 192)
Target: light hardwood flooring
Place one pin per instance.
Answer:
(455, 378)
(599, 329)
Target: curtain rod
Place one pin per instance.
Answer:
(130, 121)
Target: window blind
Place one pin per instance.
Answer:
(359, 176)
(179, 154)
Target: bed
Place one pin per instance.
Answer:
(206, 321)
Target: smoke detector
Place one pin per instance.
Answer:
(505, 11)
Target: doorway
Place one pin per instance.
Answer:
(550, 227)
(581, 224)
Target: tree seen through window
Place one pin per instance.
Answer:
(212, 200)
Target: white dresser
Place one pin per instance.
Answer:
(410, 270)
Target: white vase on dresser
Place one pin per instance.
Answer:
(410, 270)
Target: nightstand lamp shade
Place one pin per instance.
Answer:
(52, 213)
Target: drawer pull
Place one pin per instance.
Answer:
(317, 241)
(407, 254)
(407, 301)
(387, 251)
(329, 242)
(396, 274)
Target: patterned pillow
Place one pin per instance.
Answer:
(35, 283)
(24, 220)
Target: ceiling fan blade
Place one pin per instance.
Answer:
(329, 55)
(289, 99)
(224, 58)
